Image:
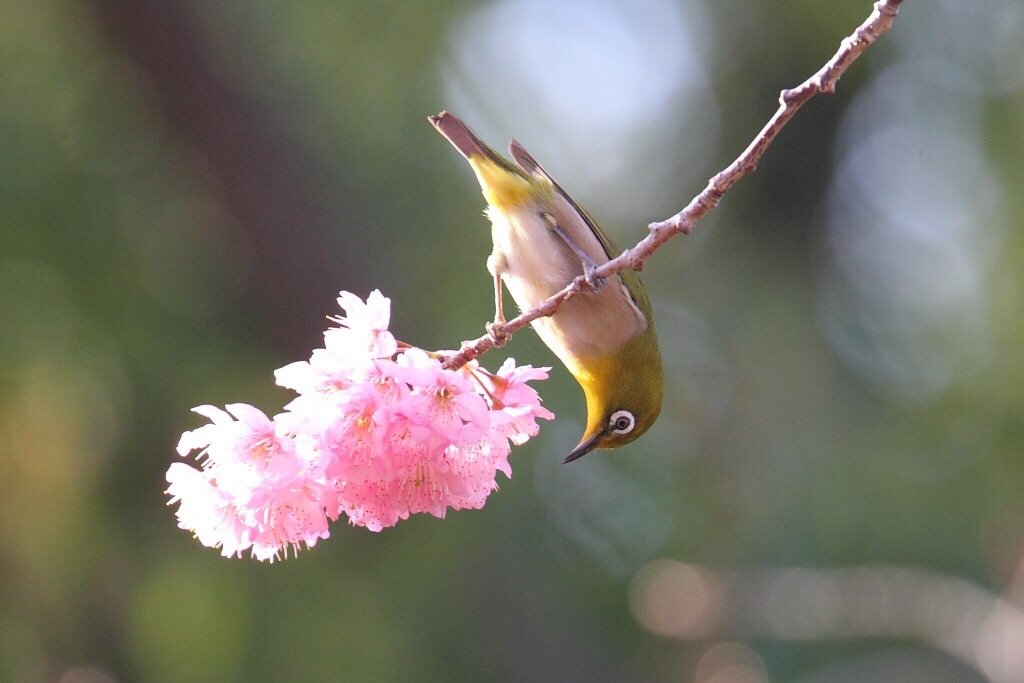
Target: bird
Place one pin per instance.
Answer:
(543, 240)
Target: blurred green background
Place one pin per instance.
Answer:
(835, 491)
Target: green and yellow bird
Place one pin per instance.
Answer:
(542, 241)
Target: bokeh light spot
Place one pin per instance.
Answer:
(592, 89)
(675, 599)
(730, 663)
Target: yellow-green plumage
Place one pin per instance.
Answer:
(605, 338)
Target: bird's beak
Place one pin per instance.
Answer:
(588, 444)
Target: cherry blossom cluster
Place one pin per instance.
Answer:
(377, 432)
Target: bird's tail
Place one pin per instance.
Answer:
(467, 142)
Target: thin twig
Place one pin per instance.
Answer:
(824, 81)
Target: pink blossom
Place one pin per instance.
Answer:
(371, 504)
(444, 400)
(375, 434)
(520, 404)
(364, 330)
(255, 490)
(205, 511)
(353, 441)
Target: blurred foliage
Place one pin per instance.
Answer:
(184, 187)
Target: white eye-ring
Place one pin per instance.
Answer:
(621, 422)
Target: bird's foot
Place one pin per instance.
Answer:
(588, 274)
(498, 333)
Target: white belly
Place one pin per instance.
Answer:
(535, 262)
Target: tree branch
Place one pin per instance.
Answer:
(824, 81)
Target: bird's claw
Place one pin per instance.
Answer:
(595, 282)
(498, 333)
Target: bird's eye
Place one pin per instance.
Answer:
(621, 422)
